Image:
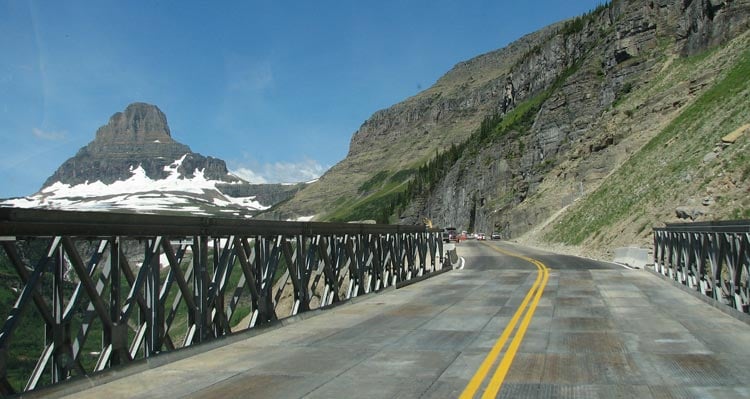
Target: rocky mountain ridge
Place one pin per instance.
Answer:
(575, 101)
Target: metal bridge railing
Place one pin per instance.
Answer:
(711, 257)
(94, 290)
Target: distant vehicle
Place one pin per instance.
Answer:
(449, 234)
(496, 236)
(481, 237)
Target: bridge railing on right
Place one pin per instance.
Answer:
(710, 257)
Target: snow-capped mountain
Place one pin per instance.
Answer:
(134, 165)
(175, 193)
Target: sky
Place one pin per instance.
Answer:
(274, 88)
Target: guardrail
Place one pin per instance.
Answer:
(711, 257)
(104, 289)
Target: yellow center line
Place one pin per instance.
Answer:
(502, 370)
(496, 382)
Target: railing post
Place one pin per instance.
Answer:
(152, 288)
(117, 337)
(200, 288)
(55, 332)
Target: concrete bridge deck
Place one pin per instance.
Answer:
(597, 330)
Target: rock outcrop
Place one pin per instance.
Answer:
(138, 136)
(267, 194)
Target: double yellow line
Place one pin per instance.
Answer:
(528, 306)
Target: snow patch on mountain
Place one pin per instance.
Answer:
(196, 195)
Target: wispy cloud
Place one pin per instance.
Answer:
(48, 135)
(250, 175)
(281, 172)
(249, 77)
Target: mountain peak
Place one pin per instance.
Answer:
(140, 123)
(138, 136)
(135, 165)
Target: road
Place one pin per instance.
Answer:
(515, 323)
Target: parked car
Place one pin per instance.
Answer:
(496, 236)
(449, 234)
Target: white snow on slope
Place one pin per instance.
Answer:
(141, 193)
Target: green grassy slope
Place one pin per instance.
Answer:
(671, 164)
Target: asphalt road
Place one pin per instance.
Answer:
(483, 258)
(549, 326)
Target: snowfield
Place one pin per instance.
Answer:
(140, 193)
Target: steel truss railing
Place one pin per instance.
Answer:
(111, 288)
(711, 257)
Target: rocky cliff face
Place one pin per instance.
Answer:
(579, 135)
(138, 136)
(594, 89)
(407, 134)
(631, 83)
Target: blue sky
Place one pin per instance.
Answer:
(275, 88)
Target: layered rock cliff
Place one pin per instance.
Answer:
(583, 96)
(601, 110)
